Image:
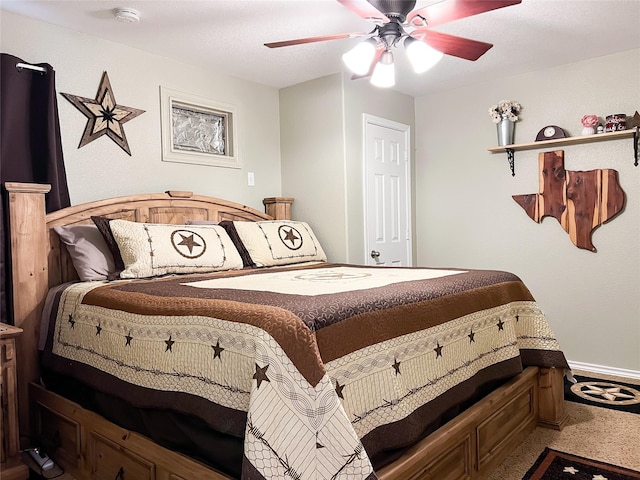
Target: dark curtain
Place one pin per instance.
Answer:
(30, 148)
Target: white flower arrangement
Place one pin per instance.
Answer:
(509, 108)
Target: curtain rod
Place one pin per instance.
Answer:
(20, 66)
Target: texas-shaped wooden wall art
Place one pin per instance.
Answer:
(580, 201)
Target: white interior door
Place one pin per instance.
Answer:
(387, 192)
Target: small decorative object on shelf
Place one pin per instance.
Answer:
(600, 128)
(505, 114)
(589, 123)
(550, 132)
(635, 120)
(616, 122)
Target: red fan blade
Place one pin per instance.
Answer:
(450, 10)
(322, 38)
(452, 45)
(374, 62)
(364, 9)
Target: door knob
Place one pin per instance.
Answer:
(375, 254)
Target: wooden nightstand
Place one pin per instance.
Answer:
(11, 467)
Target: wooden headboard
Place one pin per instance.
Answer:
(39, 260)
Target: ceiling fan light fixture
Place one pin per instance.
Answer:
(421, 55)
(384, 75)
(359, 58)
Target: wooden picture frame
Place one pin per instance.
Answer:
(198, 130)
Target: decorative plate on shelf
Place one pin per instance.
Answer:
(550, 132)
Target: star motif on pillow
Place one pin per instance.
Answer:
(189, 242)
(105, 116)
(183, 240)
(290, 237)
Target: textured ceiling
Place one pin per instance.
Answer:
(228, 36)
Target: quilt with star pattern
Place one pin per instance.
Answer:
(320, 368)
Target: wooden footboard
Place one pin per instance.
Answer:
(89, 447)
(474, 443)
(468, 447)
(551, 403)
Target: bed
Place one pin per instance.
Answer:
(335, 381)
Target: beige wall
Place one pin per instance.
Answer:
(312, 145)
(101, 169)
(467, 218)
(322, 157)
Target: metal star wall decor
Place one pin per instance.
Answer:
(105, 116)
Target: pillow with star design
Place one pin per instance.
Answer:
(150, 250)
(276, 242)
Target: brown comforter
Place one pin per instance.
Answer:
(318, 367)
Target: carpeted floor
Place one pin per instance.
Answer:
(597, 432)
(554, 465)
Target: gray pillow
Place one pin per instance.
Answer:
(89, 252)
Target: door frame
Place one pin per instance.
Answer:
(368, 119)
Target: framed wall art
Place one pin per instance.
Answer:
(198, 130)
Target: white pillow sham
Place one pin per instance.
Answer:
(279, 242)
(149, 250)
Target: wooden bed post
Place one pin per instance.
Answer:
(278, 207)
(30, 280)
(551, 399)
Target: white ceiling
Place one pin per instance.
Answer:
(228, 36)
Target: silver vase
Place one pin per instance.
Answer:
(505, 131)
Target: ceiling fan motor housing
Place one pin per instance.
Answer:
(391, 32)
(394, 8)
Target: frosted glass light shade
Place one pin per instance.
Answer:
(421, 55)
(359, 58)
(384, 75)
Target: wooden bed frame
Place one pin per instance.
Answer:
(89, 447)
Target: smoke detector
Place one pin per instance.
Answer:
(126, 15)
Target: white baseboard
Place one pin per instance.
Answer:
(603, 369)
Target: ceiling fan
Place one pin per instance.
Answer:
(397, 22)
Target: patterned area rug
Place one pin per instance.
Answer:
(555, 465)
(603, 393)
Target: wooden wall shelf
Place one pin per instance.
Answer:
(599, 137)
